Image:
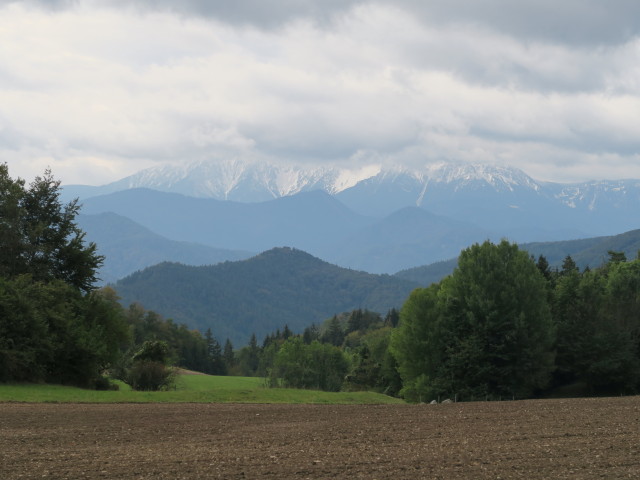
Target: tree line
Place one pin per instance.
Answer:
(55, 326)
(503, 325)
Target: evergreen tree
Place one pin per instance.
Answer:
(40, 235)
(310, 334)
(249, 357)
(543, 267)
(392, 319)
(286, 333)
(334, 333)
(568, 266)
(216, 363)
(228, 355)
(53, 326)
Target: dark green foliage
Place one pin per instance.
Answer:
(484, 331)
(568, 266)
(40, 236)
(147, 375)
(334, 333)
(315, 366)
(596, 313)
(249, 357)
(228, 355)
(53, 326)
(280, 286)
(217, 365)
(50, 332)
(374, 367)
(187, 348)
(392, 318)
(310, 334)
(149, 370)
(152, 351)
(363, 320)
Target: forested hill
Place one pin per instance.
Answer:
(587, 252)
(261, 294)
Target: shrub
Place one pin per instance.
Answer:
(148, 375)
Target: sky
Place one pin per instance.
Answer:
(98, 90)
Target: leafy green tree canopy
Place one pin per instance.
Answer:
(484, 331)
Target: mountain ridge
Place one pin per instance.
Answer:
(508, 196)
(258, 295)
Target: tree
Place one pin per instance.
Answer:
(334, 333)
(311, 333)
(40, 236)
(392, 318)
(228, 355)
(54, 327)
(418, 346)
(249, 357)
(317, 366)
(484, 331)
(598, 330)
(568, 266)
(216, 363)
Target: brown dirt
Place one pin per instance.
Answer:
(583, 439)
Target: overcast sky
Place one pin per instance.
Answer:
(98, 90)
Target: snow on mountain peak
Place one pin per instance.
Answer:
(250, 180)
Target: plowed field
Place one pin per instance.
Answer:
(550, 439)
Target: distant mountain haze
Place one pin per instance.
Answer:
(587, 252)
(373, 219)
(499, 198)
(128, 247)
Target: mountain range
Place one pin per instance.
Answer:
(380, 220)
(467, 192)
(128, 247)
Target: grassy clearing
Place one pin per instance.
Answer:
(189, 389)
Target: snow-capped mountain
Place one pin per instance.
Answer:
(503, 199)
(243, 181)
(250, 181)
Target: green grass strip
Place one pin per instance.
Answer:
(190, 389)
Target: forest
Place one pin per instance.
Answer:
(502, 325)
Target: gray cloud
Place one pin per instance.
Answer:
(101, 89)
(573, 22)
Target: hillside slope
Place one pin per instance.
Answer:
(587, 252)
(307, 220)
(258, 295)
(128, 247)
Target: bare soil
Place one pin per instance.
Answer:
(550, 439)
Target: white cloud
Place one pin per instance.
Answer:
(98, 93)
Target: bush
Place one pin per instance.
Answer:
(103, 383)
(148, 375)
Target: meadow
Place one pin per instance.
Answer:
(190, 389)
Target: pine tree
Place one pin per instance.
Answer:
(228, 355)
(334, 333)
(216, 363)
